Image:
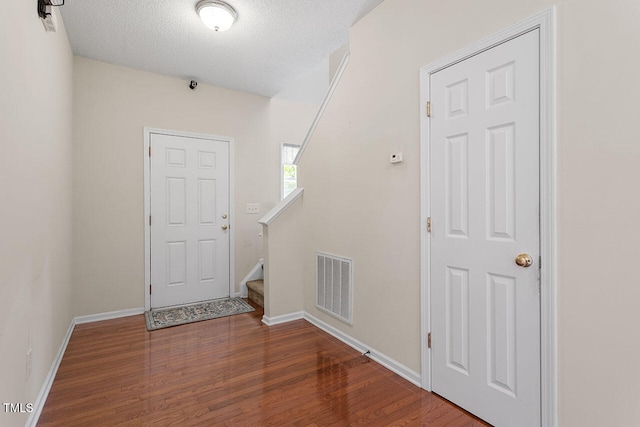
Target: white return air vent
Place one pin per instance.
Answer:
(334, 286)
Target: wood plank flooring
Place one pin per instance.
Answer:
(232, 371)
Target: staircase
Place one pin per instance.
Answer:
(256, 291)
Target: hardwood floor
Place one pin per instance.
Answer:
(232, 371)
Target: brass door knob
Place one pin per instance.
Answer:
(524, 260)
(225, 226)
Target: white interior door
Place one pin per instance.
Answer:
(189, 193)
(484, 201)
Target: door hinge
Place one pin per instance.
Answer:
(149, 288)
(429, 340)
(149, 151)
(428, 108)
(149, 219)
(428, 224)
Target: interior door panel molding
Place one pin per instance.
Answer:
(545, 21)
(205, 161)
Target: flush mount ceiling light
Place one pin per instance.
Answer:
(217, 15)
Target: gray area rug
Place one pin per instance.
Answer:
(174, 316)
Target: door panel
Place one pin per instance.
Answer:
(457, 186)
(189, 207)
(457, 333)
(484, 198)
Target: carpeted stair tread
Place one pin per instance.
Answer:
(256, 291)
(256, 286)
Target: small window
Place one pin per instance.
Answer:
(289, 170)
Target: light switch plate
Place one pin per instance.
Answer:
(253, 208)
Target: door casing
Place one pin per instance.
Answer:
(546, 23)
(147, 206)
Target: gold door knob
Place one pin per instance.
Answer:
(225, 226)
(224, 216)
(524, 260)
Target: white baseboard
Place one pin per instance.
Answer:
(48, 380)
(32, 421)
(107, 316)
(386, 361)
(389, 363)
(276, 320)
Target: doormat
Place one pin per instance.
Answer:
(174, 316)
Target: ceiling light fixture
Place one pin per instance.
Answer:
(217, 15)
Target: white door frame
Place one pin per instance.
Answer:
(546, 23)
(147, 206)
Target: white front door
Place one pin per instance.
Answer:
(189, 219)
(484, 201)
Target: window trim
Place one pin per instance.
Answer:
(282, 164)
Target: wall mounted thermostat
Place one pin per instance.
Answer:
(396, 158)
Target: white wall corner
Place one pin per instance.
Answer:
(284, 318)
(32, 421)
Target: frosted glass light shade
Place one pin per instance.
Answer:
(216, 15)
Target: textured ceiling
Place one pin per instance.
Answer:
(271, 43)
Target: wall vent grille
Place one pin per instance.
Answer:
(334, 286)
